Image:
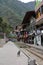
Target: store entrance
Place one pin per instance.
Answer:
(42, 40)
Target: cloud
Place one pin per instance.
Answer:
(25, 1)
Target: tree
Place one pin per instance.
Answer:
(5, 25)
(1, 20)
(1, 23)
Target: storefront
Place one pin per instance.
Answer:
(29, 24)
(33, 20)
(39, 23)
(42, 37)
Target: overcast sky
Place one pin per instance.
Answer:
(25, 1)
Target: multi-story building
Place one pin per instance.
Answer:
(33, 23)
(39, 22)
(39, 13)
(28, 24)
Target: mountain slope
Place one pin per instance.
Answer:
(14, 10)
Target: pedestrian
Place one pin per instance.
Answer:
(18, 36)
(18, 53)
(25, 37)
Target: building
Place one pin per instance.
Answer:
(33, 23)
(28, 24)
(39, 22)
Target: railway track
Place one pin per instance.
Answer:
(33, 55)
(32, 52)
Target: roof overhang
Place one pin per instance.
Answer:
(27, 17)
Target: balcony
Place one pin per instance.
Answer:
(39, 20)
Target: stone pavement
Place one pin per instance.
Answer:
(8, 55)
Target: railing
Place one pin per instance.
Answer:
(41, 17)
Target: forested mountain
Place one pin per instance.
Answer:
(14, 10)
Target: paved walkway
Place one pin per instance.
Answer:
(8, 55)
